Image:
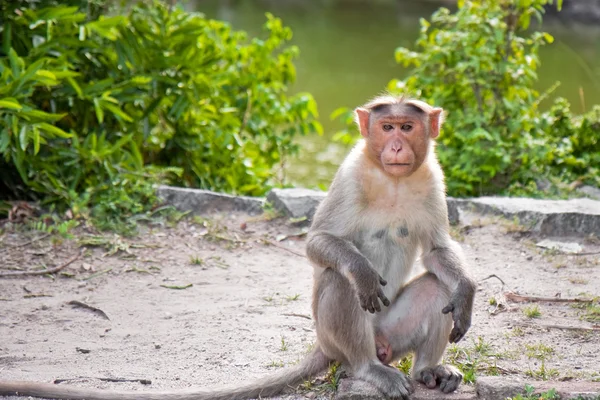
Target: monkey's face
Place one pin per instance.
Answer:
(397, 138)
(400, 143)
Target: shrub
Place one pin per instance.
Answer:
(95, 109)
(480, 64)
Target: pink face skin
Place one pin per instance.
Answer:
(398, 136)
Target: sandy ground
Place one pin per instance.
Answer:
(247, 311)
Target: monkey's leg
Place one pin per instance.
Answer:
(345, 333)
(414, 322)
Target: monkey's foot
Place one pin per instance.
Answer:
(446, 376)
(391, 382)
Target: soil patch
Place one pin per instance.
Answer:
(226, 299)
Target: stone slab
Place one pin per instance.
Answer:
(502, 387)
(574, 217)
(355, 389)
(200, 201)
(296, 202)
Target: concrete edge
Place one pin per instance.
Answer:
(298, 203)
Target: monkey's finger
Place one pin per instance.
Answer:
(384, 299)
(382, 281)
(450, 384)
(371, 308)
(448, 308)
(377, 305)
(428, 379)
(456, 335)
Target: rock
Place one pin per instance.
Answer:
(296, 202)
(355, 389)
(453, 215)
(590, 191)
(202, 201)
(564, 247)
(498, 387)
(575, 217)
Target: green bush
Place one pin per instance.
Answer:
(480, 64)
(95, 109)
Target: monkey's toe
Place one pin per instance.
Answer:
(446, 376)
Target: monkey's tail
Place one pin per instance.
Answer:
(312, 364)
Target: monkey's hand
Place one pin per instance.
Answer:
(461, 307)
(367, 283)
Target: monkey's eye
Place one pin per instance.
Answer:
(388, 127)
(406, 127)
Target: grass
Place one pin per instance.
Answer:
(542, 353)
(517, 331)
(532, 311)
(332, 379)
(284, 346)
(589, 312)
(275, 364)
(405, 364)
(195, 260)
(293, 298)
(530, 395)
(480, 357)
(578, 281)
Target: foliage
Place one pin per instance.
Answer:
(530, 394)
(480, 64)
(96, 109)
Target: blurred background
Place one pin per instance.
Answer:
(347, 56)
(101, 100)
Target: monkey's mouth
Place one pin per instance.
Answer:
(398, 164)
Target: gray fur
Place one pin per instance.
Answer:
(359, 251)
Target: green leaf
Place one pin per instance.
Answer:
(10, 103)
(117, 111)
(53, 130)
(99, 111)
(37, 115)
(36, 141)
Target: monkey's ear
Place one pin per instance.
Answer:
(362, 120)
(436, 119)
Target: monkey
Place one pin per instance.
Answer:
(384, 209)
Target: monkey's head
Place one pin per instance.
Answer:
(398, 131)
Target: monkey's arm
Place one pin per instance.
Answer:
(444, 258)
(329, 251)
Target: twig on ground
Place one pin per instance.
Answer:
(273, 243)
(98, 311)
(36, 295)
(142, 381)
(178, 287)
(44, 236)
(297, 315)
(589, 253)
(565, 327)
(517, 298)
(42, 272)
(493, 276)
(97, 274)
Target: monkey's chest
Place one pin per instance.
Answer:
(391, 250)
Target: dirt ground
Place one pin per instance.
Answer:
(216, 303)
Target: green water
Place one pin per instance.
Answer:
(347, 56)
